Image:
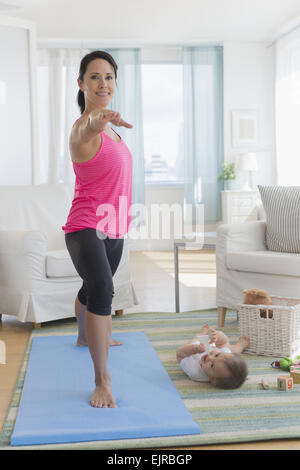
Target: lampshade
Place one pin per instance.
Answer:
(247, 162)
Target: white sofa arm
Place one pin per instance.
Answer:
(233, 238)
(22, 257)
(249, 236)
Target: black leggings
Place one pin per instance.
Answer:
(96, 261)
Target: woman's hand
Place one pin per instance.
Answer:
(99, 119)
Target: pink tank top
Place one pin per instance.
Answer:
(103, 191)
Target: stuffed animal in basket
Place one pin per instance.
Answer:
(258, 297)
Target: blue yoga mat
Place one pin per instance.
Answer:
(59, 382)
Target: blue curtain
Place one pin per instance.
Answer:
(128, 101)
(203, 130)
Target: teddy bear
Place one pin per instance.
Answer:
(258, 297)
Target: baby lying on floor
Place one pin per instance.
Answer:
(223, 366)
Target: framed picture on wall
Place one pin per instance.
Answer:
(245, 129)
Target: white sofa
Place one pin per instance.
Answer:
(38, 282)
(244, 262)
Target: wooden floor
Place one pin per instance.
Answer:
(152, 273)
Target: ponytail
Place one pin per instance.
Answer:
(81, 101)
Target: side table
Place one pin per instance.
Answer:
(208, 242)
(239, 206)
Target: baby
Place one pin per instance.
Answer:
(223, 366)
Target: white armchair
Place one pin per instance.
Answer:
(243, 262)
(38, 281)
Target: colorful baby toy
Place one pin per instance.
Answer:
(285, 383)
(295, 374)
(293, 366)
(286, 362)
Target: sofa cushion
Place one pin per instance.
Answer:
(266, 262)
(59, 264)
(282, 208)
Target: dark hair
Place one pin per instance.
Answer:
(238, 369)
(82, 69)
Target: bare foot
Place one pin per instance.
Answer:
(81, 342)
(102, 397)
(244, 342)
(113, 342)
(205, 329)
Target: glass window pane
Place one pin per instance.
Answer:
(163, 122)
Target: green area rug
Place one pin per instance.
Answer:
(224, 416)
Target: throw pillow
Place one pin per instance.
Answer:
(282, 208)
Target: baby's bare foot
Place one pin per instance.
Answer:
(205, 329)
(102, 397)
(244, 342)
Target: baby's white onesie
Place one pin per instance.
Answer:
(191, 365)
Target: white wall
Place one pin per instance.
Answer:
(249, 77)
(15, 113)
(249, 72)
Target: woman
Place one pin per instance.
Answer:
(103, 167)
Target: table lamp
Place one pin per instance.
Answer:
(248, 162)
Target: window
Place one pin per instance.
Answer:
(162, 90)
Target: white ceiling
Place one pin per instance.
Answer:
(157, 21)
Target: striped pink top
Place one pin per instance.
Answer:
(103, 191)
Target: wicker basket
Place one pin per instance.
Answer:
(274, 330)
